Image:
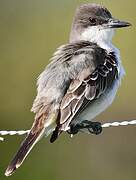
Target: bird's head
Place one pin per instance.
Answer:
(94, 22)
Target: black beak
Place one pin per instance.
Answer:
(115, 23)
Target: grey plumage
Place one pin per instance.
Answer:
(84, 14)
(91, 79)
(80, 81)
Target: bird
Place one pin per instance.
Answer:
(80, 81)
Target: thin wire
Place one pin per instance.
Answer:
(116, 124)
(11, 133)
(105, 125)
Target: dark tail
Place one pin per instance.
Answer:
(55, 134)
(32, 138)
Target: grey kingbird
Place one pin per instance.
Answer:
(80, 82)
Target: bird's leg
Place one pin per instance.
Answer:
(92, 127)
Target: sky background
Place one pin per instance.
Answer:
(30, 31)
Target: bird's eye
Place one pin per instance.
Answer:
(92, 21)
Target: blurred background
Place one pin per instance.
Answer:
(30, 31)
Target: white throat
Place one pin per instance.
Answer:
(102, 37)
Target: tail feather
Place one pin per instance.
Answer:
(25, 148)
(55, 134)
(44, 116)
(44, 123)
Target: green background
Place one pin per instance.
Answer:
(30, 31)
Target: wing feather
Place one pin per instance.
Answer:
(83, 91)
(91, 70)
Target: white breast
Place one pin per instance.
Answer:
(103, 102)
(103, 39)
(100, 104)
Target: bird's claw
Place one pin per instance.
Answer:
(92, 127)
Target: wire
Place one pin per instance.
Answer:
(11, 133)
(105, 125)
(116, 124)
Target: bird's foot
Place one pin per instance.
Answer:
(92, 127)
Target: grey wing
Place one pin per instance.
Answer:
(86, 88)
